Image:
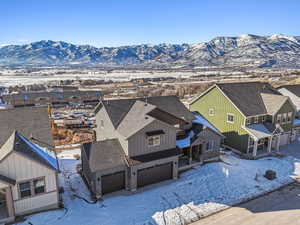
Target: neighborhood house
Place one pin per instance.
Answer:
(28, 172)
(253, 116)
(144, 141)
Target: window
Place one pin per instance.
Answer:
(211, 112)
(278, 118)
(256, 119)
(210, 145)
(230, 118)
(154, 141)
(248, 121)
(25, 189)
(289, 117)
(264, 118)
(283, 119)
(102, 123)
(39, 186)
(32, 188)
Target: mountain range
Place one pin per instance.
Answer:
(242, 51)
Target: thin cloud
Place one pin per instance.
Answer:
(2, 45)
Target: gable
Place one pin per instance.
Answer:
(19, 167)
(286, 107)
(216, 99)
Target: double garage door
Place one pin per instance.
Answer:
(113, 182)
(154, 174)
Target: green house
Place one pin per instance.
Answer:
(254, 117)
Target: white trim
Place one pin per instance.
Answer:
(211, 110)
(230, 114)
(154, 137)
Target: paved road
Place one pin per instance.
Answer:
(281, 207)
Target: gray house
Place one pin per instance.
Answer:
(136, 143)
(28, 172)
(293, 92)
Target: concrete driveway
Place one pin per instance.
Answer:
(281, 207)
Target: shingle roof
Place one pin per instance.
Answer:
(118, 109)
(18, 143)
(295, 89)
(66, 95)
(30, 121)
(7, 180)
(273, 102)
(247, 96)
(203, 121)
(136, 119)
(258, 130)
(153, 156)
(104, 155)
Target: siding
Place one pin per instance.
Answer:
(236, 136)
(209, 135)
(287, 107)
(36, 203)
(21, 168)
(85, 166)
(108, 131)
(295, 99)
(138, 144)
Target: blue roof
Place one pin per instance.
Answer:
(186, 142)
(51, 160)
(296, 122)
(201, 120)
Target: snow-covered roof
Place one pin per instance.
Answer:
(185, 142)
(42, 154)
(296, 122)
(258, 130)
(201, 120)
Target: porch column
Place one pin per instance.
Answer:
(278, 143)
(190, 155)
(255, 147)
(133, 177)
(9, 202)
(270, 144)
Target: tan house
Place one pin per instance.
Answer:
(28, 172)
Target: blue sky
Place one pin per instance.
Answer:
(126, 22)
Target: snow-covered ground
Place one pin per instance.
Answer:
(199, 192)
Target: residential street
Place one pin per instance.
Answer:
(281, 207)
(278, 208)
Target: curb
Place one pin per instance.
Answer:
(247, 200)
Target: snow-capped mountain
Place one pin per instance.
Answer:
(244, 50)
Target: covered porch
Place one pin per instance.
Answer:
(262, 140)
(192, 148)
(7, 213)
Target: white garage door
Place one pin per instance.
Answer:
(284, 139)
